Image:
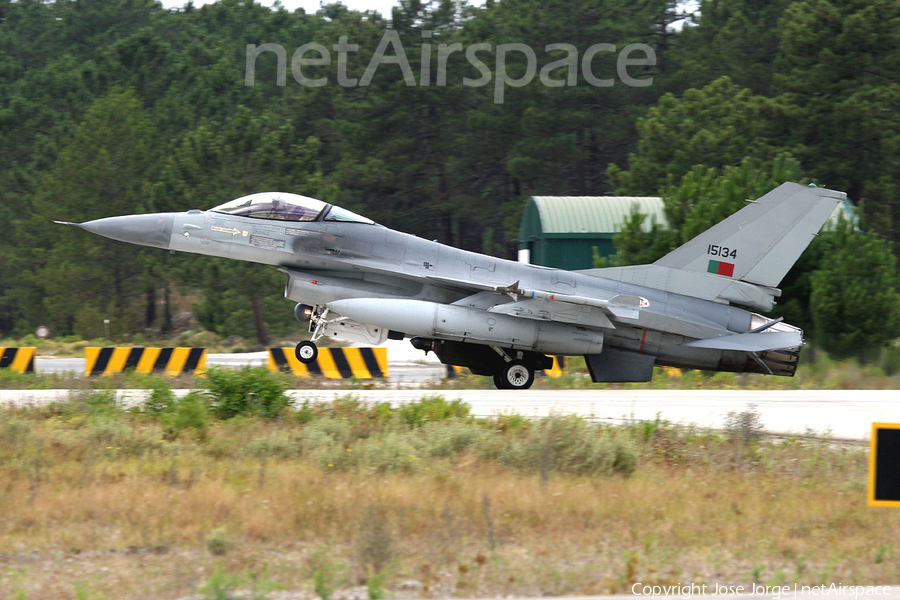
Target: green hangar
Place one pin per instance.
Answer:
(562, 231)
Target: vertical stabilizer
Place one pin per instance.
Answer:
(761, 242)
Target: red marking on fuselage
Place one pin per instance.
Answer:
(643, 337)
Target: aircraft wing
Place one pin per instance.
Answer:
(545, 310)
(751, 342)
(549, 306)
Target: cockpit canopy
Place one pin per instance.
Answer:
(279, 206)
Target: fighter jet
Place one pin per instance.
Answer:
(362, 282)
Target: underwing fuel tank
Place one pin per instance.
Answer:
(449, 322)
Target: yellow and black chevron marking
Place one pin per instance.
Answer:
(18, 359)
(334, 363)
(174, 361)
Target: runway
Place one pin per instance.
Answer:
(842, 414)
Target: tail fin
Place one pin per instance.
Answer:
(761, 242)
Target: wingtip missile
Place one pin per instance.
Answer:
(510, 290)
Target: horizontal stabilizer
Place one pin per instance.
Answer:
(752, 342)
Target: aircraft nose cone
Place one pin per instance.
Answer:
(153, 230)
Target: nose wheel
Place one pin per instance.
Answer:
(306, 352)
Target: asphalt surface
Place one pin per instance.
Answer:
(842, 414)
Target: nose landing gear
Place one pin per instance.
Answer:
(306, 352)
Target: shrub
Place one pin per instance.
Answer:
(890, 362)
(247, 391)
(563, 443)
(189, 412)
(218, 542)
(746, 426)
(450, 438)
(277, 444)
(393, 451)
(430, 409)
(327, 441)
(99, 402)
(161, 399)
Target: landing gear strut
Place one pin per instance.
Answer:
(514, 373)
(307, 351)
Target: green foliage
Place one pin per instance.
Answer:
(325, 574)
(219, 585)
(890, 362)
(705, 196)
(431, 409)
(716, 126)
(745, 426)
(121, 107)
(855, 296)
(188, 412)
(566, 444)
(161, 399)
(699, 199)
(99, 402)
(636, 246)
(246, 391)
(218, 543)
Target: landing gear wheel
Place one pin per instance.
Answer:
(498, 381)
(306, 352)
(514, 375)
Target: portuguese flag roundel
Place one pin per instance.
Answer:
(721, 268)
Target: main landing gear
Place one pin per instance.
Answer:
(510, 369)
(514, 375)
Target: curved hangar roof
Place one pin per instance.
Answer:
(596, 214)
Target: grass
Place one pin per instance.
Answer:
(104, 503)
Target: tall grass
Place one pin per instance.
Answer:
(330, 496)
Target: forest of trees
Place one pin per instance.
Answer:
(120, 106)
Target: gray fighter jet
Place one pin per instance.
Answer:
(362, 282)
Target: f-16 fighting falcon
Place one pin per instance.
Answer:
(359, 281)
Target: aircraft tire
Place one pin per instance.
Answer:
(516, 375)
(498, 381)
(306, 352)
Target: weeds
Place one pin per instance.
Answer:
(219, 586)
(745, 427)
(247, 391)
(218, 543)
(375, 543)
(325, 574)
(535, 498)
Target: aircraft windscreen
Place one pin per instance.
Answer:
(342, 214)
(274, 205)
